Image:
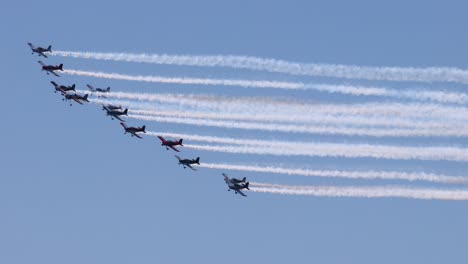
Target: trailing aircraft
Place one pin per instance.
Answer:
(63, 88)
(39, 50)
(133, 130)
(51, 68)
(76, 97)
(236, 184)
(115, 113)
(188, 162)
(170, 143)
(98, 90)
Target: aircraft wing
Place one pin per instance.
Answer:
(188, 165)
(241, 193)
(136, 135)
(119, 118)
(162, 139)
(41, 53)
(31, 45)
(177, 157)
(42, 63)
(172, 147)
(62, 91)
(91, 87)
(54, 73)
(77, 100)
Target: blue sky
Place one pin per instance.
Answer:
(74, 189)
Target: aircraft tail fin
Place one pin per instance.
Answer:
(244, 179)
(247, 186)
(61, 67)
(73, 87)
(125, 111)
(143, 129)
(108, 89)
(180, 142)
(85, 97)
(198, 160)
(49, 48)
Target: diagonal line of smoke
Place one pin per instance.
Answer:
(368, 175)
(429, 74)
(363, 192)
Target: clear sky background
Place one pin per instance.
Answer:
(74, 189)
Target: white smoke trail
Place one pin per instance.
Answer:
(420, 95)
(287, 147)
(451, 121)
(429, 74)
(255, 105)
(207, 101)
(368, 175)
(183, 80)
(363, 192)
(269, 105)
(410, 127)
(311, 129)
(297, 118)
(346, 150)
(251, 114)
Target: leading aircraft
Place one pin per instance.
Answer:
(75, 97)
(133, 130)
(188, 162)
(39, 50)
(236, 184)
(170, 143)
(63, 88)
(115, 113)
(51, 68)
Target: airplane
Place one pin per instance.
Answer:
(39, 50)
(236, 184)
(188, 162)
(98, 90)
(51, 68)
(63, 88)
(111, 107)
(115, 113)
(76, 97)
(170, 143)
(133, 130)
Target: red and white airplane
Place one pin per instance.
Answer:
(170, 143)
(51, 68)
